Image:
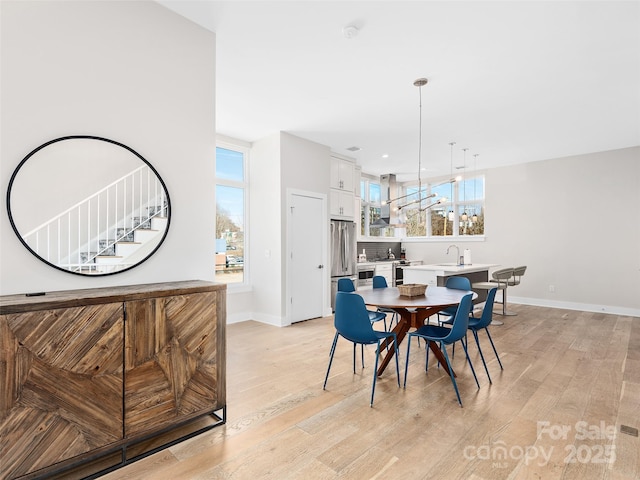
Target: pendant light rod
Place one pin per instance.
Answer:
(450, 215)
(464, 216)
(420, 82)
(474, 218)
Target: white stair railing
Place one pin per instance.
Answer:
(72, 239)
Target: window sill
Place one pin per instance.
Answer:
(460, 238)
(234, 288)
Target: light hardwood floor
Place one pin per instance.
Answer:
(567, 375)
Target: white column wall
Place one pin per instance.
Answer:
(134, 72)
(265, 225)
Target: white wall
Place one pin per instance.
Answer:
(306, 166)
(133, 72)
(573, 221)
(265, 232)
(277, 163)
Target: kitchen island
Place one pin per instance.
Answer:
(436, 274)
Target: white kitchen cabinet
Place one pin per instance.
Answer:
(414, 275)
(341, 193)
(342, 174)
(341, 204)
(385, 270)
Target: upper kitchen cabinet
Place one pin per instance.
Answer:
(341, 195)
(342, 174)
(341, 204)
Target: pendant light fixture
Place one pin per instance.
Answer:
(464, 217)
(420, 82)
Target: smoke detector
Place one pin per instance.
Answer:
(350, 31)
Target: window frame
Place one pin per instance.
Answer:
(245, 150)
(454, 203)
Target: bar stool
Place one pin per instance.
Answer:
(500, 280)
(518, 273)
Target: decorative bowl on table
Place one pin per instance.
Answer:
(412, 289)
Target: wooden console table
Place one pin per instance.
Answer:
(91, 380)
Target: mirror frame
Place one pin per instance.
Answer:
(102, 139)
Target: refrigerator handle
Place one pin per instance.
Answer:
(343, 248)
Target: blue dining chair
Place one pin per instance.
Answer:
(459, 283)
(446, 336)
(482, 323)
(380, 282)
(352, 323)
(346, 285)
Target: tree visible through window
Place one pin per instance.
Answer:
(230, 215)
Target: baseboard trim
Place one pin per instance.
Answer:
(584, 307)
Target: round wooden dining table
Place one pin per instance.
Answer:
(412, 311)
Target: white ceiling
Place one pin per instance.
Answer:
(513, 81)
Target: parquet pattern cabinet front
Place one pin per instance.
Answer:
(92, 379)
(170, 360)
(61, 392)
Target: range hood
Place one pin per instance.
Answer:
(388, 190)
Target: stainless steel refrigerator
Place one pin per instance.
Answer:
(343, 254)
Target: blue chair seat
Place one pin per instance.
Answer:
(435, 332)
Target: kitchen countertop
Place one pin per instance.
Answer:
(372, 263)
(444, 269)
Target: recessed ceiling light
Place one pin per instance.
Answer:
(386, 155)
(354, 149)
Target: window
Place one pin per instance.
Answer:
(370, 210)
(461, 214)
(441, 220)
(231, 192)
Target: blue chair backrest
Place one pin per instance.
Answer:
(379, 282)
(460, 320)
(487, 313)
(459, 283)
(346, 285)
(352, 320)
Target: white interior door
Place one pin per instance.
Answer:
(307, 257)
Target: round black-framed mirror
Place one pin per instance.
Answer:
(88, 205)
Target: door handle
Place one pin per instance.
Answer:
(320, 266)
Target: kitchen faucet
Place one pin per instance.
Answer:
(457, 253)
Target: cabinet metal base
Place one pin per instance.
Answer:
(101, 463)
